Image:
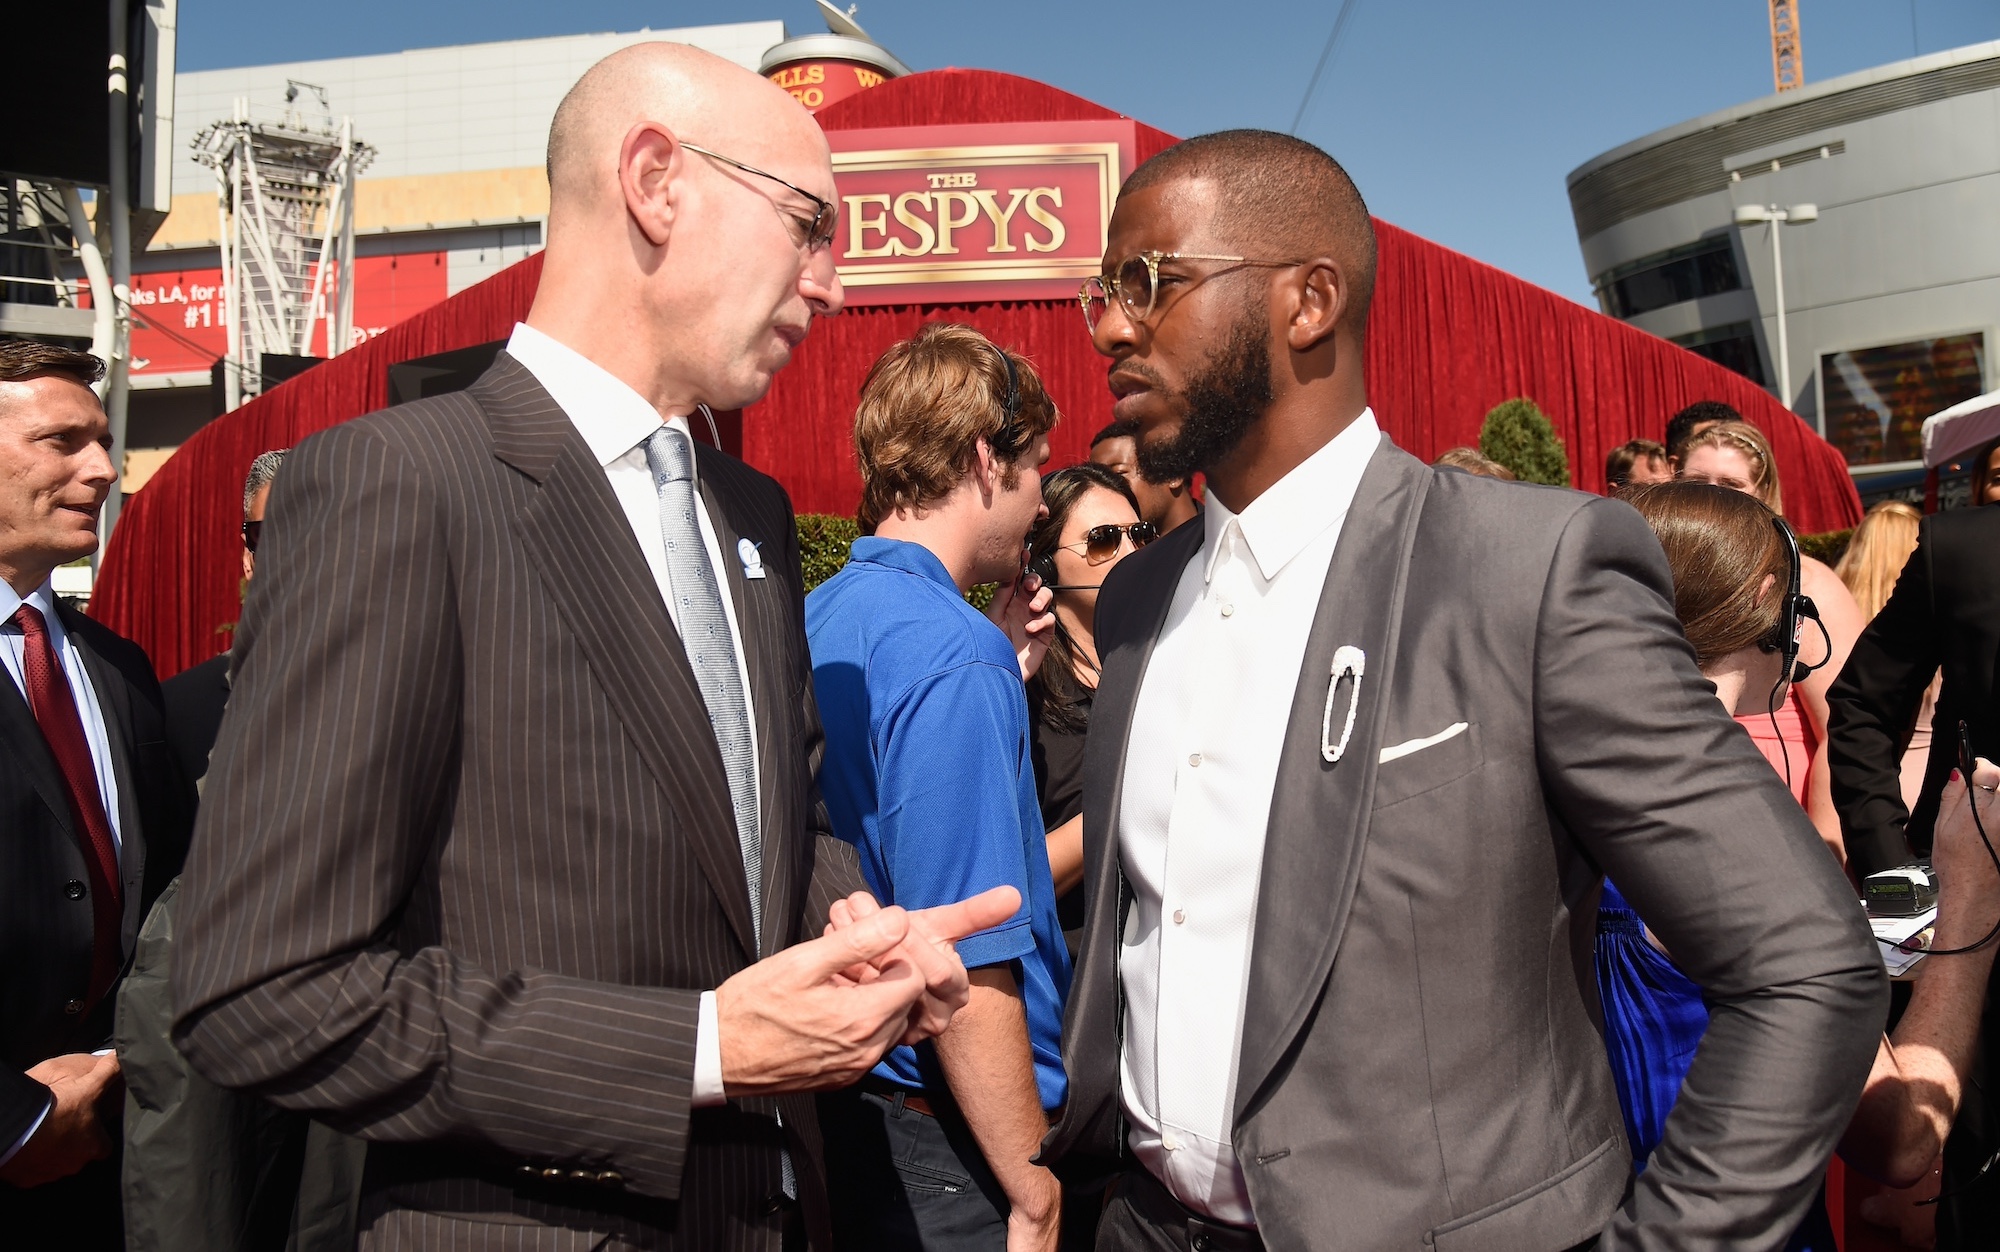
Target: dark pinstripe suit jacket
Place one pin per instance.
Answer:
(466, 857)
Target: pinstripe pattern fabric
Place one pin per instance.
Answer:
(467, 855)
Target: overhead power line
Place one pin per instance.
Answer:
(1325, 59)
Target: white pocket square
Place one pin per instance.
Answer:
(1418, 745)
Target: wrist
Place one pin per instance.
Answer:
(1034, 1194)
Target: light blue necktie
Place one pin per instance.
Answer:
(711, 650)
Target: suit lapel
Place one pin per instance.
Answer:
(598, 579)
(23, 740)
(759, 634)
(1318, 827)
(1129, 620)
(114, 701)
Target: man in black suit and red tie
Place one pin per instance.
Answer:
(510, 860)
(93, 808)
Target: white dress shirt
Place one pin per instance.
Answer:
(1206, 733)
(616, 421)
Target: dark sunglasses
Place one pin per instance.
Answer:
(1101, 543)
(250, 532)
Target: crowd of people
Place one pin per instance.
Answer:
(1305, 848)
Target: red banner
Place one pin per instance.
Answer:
(177, 324)
(940, 214)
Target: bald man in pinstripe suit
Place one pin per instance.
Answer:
(516, 785)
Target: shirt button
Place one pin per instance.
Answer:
(1228, 609)
(1180, 916)
(1168, 1141)
(73, 889)
(1194, 759)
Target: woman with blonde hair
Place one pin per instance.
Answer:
(1736, 455)
(1875, 556)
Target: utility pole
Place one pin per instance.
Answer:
(1776, 216)
(118, 381)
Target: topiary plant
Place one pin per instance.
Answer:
(1519, 435)
(824, 540)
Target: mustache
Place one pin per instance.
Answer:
(1134, 369)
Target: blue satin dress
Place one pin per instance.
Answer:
(1654, 1017)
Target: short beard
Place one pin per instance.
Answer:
(1223, 400)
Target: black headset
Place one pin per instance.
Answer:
(1796, 609)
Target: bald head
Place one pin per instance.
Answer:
(1277, 197)
(702, 97)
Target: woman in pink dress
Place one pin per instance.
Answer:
(1793, 736)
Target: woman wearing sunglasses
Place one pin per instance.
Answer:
(1092, 524)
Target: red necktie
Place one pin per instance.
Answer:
(54, 706)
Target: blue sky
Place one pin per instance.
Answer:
(1458, 119)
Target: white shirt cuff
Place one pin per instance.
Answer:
(43, 1116)
(707, 1056)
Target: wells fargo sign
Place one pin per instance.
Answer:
(945, 214)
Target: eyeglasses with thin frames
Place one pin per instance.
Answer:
(1136, 284)
(251, 532)
(819, 233)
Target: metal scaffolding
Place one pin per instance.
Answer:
(285, 196)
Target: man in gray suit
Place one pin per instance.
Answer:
(1365, 740)
(510, 860)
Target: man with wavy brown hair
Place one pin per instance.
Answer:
(929, 773)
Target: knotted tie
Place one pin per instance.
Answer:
(54, 707)
(711, 651)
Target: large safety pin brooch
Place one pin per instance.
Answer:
(1348, 662)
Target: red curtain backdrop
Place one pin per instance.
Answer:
(1448, 339)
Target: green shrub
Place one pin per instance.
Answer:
(824, 540)
(1828, 547)
(1518, 434)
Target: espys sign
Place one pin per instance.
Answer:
(946, 214)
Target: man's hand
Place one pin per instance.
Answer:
(796, 1022)
(928, 948)
(1021, 608)
(71, 1136)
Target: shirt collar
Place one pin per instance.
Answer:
(901, 554)
(612, 418)
(42, 597)
(1299, 507)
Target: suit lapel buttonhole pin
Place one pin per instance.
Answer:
(753, 562)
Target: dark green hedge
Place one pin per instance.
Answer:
(1518, 435)
(1828, 547)
(824, 539)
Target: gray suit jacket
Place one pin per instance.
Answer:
(1421, 1066)
(466, 858)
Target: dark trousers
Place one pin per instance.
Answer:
(1143, 1216)
(904, 1181)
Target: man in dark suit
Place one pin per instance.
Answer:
(1365, 739)
(197, 695)
(93, 810)
(516, 787)
(1943, 615)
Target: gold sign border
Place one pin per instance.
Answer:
(1103, 155)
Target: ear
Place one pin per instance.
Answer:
(1318, 303)
(650, 162)
(986, 471)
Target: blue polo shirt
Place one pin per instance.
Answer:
(928, 771)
